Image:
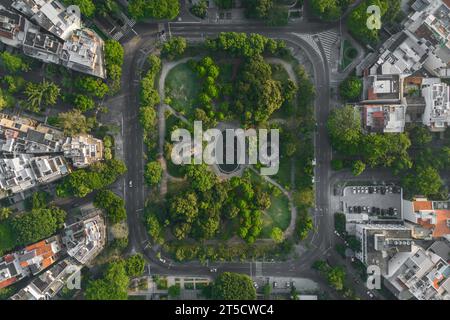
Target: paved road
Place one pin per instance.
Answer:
(321, 242)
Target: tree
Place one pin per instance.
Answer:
(87, 7)
(357, 21)
(161, 9)
(224, 4)
(84, 103)
(200, 9)
(358, 167)
(174, 48)
(112, 286)
(113, 205)
(304, 224)
(13, 63)
(277, 235)
(326, 9)
(258, 93)
(336, 278)
(5, 212)
(233, 286)
(174, 291)
(420, 136)
(184, 207)
(344, 128)
(424, 181)
(201, 177)
(114, 52)
(42, 94)
(351, 88)
(258, 8)
(154, 228)
(147, 117)
(153, 173)
(92, 86)
(278, 16)
(135, 265)
(267, 290)
(74, 122)
(37, 224)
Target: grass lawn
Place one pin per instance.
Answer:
(283, 176)
(6, 238)
(278, 215)
(349, 54)
(183, 87)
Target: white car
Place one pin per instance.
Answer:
(213, 270)
(162, 260)
(255, 284)
(370, 294)
(130, 183)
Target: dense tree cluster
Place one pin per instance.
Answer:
(153, 173)
(113, 205)
(41, 95)
(74, 122)
(268, 10)
(83, 181)
(112, 286)
(157, 9)
(233, 286)
(351, 88)
(387, 150)
(92, 86)
(114, 54)
(243, 45)
(174, 48)
(13, 63)
(334, 275)
(135, 265)
(329, 9)
(200, 9)
(38, 224)
(357, 21)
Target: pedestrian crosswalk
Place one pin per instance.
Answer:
(118, 36)
(328, 39)
(309, 39)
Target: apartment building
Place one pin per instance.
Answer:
(65, 41)
(30, 261)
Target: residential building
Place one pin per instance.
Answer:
(85, 239)
(83, 150)
(419, 274)
(423, 44)
(384, 118)
(24, 172)
(12, 27)
(47, 285)
(51, 15)
(380, 242)
(429, 219)
(33, 153)
(29, 261)
(64, 41)
(436, 115)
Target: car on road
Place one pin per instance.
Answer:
(130, 183)
(255, 284)
(162, 260)
(275, 284)
(370, 294)
(213, 270)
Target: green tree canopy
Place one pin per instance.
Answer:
(135, 265)
(113, 205)
(153, 173)
(351, 88)
(233, 286)
(36, 225)
(158, 9)
(112, 286)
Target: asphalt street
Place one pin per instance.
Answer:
(136, 50)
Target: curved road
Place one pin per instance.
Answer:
(136, 50)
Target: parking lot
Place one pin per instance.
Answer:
(376, 201)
